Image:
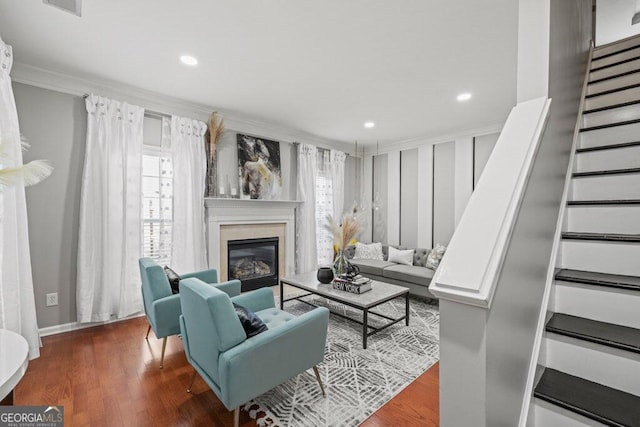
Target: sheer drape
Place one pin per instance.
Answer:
(109, 244)
(17, 304)
(306, 218)
(188, 249)
(337, 181)
(324, 208)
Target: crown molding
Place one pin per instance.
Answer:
(163, 104)
(411, 143)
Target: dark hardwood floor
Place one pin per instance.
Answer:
(109, 376)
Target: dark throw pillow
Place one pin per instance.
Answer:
(174, 279)
(251, 323)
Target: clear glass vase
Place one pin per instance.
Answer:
(340, 264)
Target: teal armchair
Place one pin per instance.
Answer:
(161, 306)
(238, 368)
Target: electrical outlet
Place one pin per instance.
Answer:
(52, 299)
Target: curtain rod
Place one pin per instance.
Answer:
(147, 112)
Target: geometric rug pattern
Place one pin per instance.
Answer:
(357, 382)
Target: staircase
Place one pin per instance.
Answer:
(591, 346)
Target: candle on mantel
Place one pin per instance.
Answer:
(222, 190)
(234, 191)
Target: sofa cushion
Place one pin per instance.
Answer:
(274, 317)
(409, 273)
(371, 266)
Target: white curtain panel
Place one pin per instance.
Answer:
(17, 303)
(306, 250)
(109, 243)
(188, 249)
(337, 181)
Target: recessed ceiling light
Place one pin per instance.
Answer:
(369, 125)
(188, 60)
(464, 97)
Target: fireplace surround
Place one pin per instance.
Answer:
(236, 219)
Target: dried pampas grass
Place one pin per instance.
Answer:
(344, 232)
(28, 174)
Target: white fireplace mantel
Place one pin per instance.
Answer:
(221, 212)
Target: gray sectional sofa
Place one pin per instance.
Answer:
(416, 277)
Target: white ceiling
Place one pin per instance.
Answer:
(323, 67)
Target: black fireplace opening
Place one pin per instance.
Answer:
(254, 262)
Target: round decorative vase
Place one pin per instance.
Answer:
(325, 275)
(340, 264)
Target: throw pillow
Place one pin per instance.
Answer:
(401, 256)
(371, 251)
(435, 256)
(174, 280)
(251, 323)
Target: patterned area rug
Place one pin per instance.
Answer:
(358, 382)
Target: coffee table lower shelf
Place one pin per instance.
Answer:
(366, 310)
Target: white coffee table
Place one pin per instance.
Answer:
(14, 358)
(380, 293)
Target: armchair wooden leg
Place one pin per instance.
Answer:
(315, 370)
(164, 345)
(236, 417)
(146, 337)
(193, 378)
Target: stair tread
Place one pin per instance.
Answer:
(600, 279)
(608, 147)
(610, 125)
(609, 334)
(603, 202)
(609, 237)
(606, 172)
(596, 401)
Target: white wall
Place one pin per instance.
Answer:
(613, 20)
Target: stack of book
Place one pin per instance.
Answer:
(354, 284)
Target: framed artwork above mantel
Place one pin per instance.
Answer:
(259, 168)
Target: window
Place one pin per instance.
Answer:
(157, 205)
(324, 208)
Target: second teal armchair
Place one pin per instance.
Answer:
(238, 368)
(161, 306)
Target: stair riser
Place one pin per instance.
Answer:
(614, 115)
(604, 219)
(549, 415)
(615, 83)
(606, 187)
(618, 46)
(601, 364)
(619, 97)
(619, 158)
(610, 135)
(604, 257)
(611, 305)
(614, 71)
(596, 63)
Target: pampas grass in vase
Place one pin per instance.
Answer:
(214, 132)
(344, 234)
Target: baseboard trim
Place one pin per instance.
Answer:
(75, 326)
